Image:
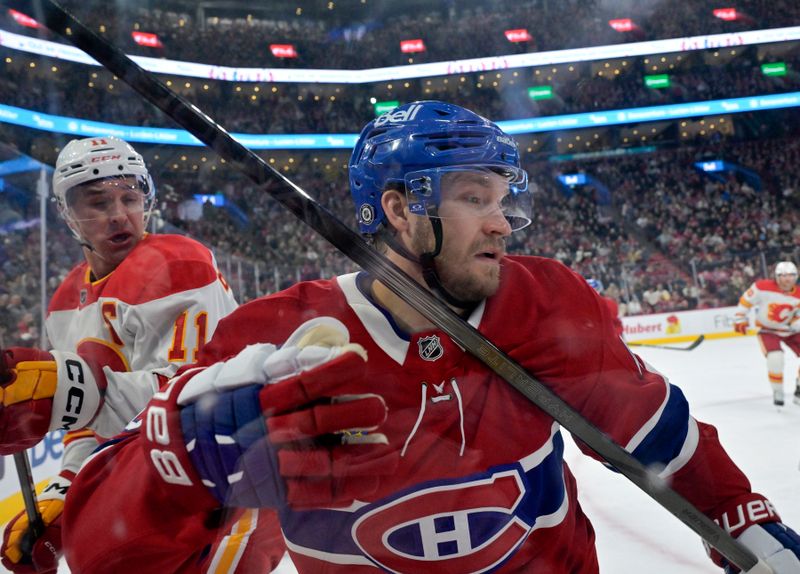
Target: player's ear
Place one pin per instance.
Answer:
(395, 206)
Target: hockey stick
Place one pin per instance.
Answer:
(351, 244)
(694, 344)
(25, 476)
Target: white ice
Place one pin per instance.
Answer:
(726, 384)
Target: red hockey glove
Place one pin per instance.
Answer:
(23, 555)
(741, 327)
(753, 521)
(271, 427)
(44, 391)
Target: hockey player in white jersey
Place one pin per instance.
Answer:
(123, 320)
(776, 307)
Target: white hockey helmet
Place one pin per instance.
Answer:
(785, 268)
(90, 159)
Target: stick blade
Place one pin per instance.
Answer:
(696, 342)
(692, 345)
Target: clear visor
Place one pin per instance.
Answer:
(471, 192)
(125, 195)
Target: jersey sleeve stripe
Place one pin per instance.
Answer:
(667, 439)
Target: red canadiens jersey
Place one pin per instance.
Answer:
(481, 486)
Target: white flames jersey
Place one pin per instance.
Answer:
(149, 316)
(774, 309)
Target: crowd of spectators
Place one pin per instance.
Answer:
(369, 36)
(294, 108)
(20, 276)
(699, 240)
(669, 237)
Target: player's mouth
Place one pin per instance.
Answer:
(490, 255)
(120, 239)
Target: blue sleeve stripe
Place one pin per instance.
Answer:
(664, 441)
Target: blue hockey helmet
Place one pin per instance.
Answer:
(410, 148)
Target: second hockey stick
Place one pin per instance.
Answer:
(308, 210)
(693, 345)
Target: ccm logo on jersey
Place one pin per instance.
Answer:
(448, 529)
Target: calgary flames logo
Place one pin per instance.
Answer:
(779, 312)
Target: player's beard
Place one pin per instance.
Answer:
(461, 275)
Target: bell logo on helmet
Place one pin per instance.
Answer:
(398, 116)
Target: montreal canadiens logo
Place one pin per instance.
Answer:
(367, 213)
(468, 527)
(430, 348)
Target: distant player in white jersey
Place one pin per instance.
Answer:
(139, 306)
(776, 305)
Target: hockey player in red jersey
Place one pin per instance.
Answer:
(126, 318)
(776, 306)
(381, 443)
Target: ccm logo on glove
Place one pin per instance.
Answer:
(75, 395)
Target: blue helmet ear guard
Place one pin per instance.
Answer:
(421, 136)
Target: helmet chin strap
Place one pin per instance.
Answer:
(84, 243)
(427, 262)
(75, 229)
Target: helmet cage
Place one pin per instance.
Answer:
(91, 159)
(425, 190)
(143, 182)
